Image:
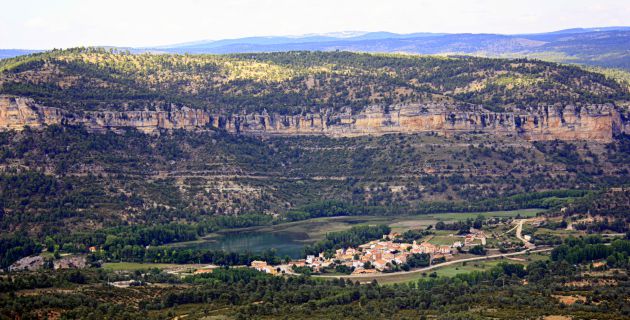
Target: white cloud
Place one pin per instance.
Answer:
(35, 22)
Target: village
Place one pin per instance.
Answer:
(376, 256)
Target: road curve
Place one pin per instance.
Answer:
(519, 234)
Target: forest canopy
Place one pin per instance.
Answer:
(294, 82)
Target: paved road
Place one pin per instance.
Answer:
(435, 266)
(613, 234)
(516, 226)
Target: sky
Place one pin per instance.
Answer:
(46, 24)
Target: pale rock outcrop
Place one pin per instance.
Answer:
(595, 122)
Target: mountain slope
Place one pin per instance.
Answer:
(294, 82)
(10, 53)
(251, 133)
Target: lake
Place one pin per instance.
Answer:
(290, 238)
(285, 243)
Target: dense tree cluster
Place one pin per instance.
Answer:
(353, 237)
(412, 235)
(16, 247)
(592, 248)
(463, 227)
(418, 260)
(610, 208)
(499, 293)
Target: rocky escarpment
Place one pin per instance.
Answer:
(595, 122)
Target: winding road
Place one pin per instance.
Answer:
(519, 234)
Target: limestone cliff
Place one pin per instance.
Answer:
(596, 122)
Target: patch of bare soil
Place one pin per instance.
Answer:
(591, 283)
(42, 291)
(556, 318)
(568, 300)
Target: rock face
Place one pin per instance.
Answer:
(28, 264)
(596, 122)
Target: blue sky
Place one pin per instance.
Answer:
(44, 24)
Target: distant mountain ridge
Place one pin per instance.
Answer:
(606, 46)
(360, 36)
(10, 53)
(602, 46)
(306, 38)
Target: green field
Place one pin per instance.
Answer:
(403, 223)
(444, 240)
(456, 269)
(318, 227)
(132, 266)
(490, 214)
(562, 233)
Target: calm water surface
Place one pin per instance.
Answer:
(291, 242)
(285, 243)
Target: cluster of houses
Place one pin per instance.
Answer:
(263, 266)
(475, 235)
(374, 256)
(380, 255)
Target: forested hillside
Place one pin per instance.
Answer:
(293, 82)
(64, 177)
(64, 186)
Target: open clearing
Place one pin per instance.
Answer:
(132, 266)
